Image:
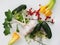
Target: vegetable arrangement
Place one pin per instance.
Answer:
(23, 16)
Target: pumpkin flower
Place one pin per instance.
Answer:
(47, 8)
(15, 37)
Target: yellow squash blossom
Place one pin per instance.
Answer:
(47, 8)
(15, 37)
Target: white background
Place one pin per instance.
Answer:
(11, 4)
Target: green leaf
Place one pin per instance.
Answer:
(9, 15)
(26, 20)
(7, 27)
(19, 17)
(6, 31)
(10, 25)
(5, 23)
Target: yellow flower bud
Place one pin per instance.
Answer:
(42, 9)
(48, 12)
(15, 37)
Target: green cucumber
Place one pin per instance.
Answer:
(47, 29)
(36, 29)
(18, 9)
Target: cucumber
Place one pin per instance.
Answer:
(20, 8)
(47, 29)
(36, 29)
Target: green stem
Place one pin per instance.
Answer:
(51, 4)
(17, 30)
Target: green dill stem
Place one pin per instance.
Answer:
(17, 29)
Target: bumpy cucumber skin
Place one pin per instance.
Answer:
(20, 8)
(36, 29)
(47, 29)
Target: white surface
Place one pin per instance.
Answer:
(11, 4)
